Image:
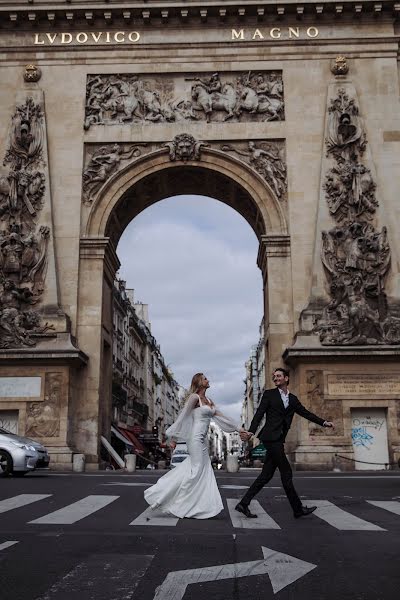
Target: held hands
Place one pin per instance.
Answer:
(245, 435)
(328, 424)
(172, 445)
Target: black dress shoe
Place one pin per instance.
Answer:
(242, 508)
(305, 510)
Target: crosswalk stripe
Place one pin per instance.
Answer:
(141, 484)
(393, 507)
(5, 545)
(76, 511)
(155, 517)
(263, 521)
(20, 500)
(341, 519)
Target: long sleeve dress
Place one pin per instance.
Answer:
(190, 489)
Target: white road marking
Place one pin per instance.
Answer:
(263, 521)
(128, 484)
(341, 519)
(393, 507)
(352, 477)
(21, 500)
(155, 517)
(282, 569)
(245, 487)
(76, 511)
(5, 545)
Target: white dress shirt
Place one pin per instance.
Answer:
(285, 397)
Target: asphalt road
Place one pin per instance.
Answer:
(91, 541)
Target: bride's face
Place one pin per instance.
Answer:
(204, 382)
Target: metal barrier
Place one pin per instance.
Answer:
(365, 462)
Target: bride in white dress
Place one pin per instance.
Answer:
(190, 489)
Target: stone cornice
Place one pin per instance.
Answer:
(73, 12)
(100, 249)
(297, 354)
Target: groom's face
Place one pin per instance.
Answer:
(279, 378)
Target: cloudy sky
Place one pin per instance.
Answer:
(192, 259)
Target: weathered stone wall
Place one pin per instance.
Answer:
(178, 76)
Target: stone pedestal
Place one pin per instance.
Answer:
(37, 388)
(332, 382)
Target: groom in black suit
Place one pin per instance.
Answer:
(278, 406)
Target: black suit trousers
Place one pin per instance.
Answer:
(275, 458)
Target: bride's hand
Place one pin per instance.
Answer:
(172, 445)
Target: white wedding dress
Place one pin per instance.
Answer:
(190, 489)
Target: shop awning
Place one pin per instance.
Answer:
(128, 438)
(137, 445)
(121, 436)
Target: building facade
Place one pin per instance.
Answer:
(289, 113)
(145, 396)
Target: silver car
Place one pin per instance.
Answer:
(19, 455)
(179, 454)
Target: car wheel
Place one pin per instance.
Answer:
(6, 463)
(19, 473)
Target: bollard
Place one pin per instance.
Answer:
(130, 463)
(232, 463)
(335, 464)
(78, 463)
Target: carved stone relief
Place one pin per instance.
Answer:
(355, 254)
(184, 147)
(23, 242)
(43, 418)
(103, 161)
(120, 98)
(340, 66)
(331, 410)
(267, 158)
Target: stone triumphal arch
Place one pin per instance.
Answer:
(289, 114)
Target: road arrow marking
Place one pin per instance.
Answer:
(5, 545)
(282, 569)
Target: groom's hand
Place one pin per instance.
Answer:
(245, 435)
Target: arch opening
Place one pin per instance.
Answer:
(155, 177)
(183, 181)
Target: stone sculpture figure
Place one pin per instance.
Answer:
(208, 102)
(355, 255)
(43, 418)
(184, 147)
(104, 162)
(128, 97)
(266, 160)
(23, 253)
(346, 138)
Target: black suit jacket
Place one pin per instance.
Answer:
(278, 419)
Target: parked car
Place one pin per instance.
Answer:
(20, 455)
(179, 454)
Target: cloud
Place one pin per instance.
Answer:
(193, 261)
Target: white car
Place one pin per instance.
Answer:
(179, 454)
(19, 455)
